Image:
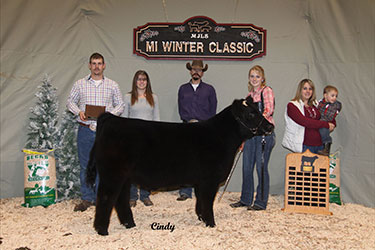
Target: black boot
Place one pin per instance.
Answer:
(326, 150)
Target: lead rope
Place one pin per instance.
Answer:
(230, 174)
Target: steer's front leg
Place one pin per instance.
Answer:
(208, 195)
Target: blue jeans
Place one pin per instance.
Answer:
(252, 155)
(324, 133)
(143, 194)
(313, 149)
(187, 191)
(85, 141)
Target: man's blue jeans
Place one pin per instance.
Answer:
(85, 141)
(143, 194)
(252, 155)
(186, 191)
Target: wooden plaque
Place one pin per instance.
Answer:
(307, 183)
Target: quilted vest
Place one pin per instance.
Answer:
(294, 133)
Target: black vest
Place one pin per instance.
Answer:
(261, 103)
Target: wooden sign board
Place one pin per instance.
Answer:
(199, 37)
(307, 183)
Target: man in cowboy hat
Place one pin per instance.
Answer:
(196, 102)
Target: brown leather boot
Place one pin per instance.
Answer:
(326, 150)
(83, 206)
(133, 203)
(147, 202)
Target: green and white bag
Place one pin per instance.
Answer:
(334, 179)
(39, 178)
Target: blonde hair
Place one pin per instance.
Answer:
(329, 88)
(312, 99)
(260, 71)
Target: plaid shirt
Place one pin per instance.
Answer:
(84, 91)
(268, 101)
(328, 111)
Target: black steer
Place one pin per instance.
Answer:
(160, 154)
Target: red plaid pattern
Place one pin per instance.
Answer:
(329, 111)
(268, 101)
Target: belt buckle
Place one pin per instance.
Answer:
(92, 126)
(192, 121)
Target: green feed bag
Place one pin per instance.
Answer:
(39, 178)
(334, 180)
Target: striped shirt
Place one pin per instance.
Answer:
(107, 93)
(268, 101)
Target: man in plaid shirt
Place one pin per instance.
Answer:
(96, 90)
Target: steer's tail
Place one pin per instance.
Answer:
(91, 169)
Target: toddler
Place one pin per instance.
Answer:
(328, 107)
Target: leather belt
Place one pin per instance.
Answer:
(92, 127)
(85, 125)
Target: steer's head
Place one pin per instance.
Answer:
(250, 120)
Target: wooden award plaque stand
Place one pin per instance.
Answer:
(307, 183)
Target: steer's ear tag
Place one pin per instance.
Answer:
(244, 103)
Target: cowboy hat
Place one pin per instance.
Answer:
(196, 64)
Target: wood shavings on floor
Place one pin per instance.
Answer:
(57, 227)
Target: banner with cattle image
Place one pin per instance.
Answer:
(39, 178)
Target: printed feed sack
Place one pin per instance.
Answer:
(334, 180)
(39, 178)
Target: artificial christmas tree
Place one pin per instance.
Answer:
(43, 122)
(68, 181)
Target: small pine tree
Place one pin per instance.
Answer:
(68, 170)
(43, 121)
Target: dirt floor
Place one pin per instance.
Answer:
(171, 224)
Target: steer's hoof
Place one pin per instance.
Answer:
(103, 232)
(129, 225)
(210, 224)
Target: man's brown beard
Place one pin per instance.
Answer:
(196, 77)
